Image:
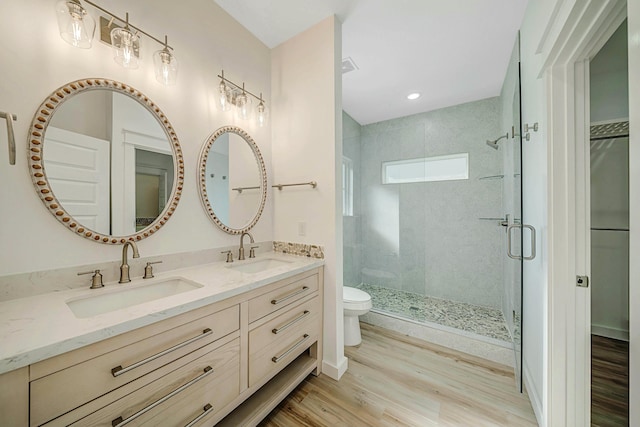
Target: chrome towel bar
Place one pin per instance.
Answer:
(278, 186)
(311, 183)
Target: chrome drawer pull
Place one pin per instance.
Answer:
(276, 359)
(291, 295)
(119, 422)
(294, 321)
(119, 370)
(207, 410)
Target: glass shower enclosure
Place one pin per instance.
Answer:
(433, 216)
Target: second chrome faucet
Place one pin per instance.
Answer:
(241, 250)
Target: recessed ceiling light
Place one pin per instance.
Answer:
(413, 96)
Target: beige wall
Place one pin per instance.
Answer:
(35, 61)
(307, 145)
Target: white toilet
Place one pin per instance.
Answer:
(355, 303)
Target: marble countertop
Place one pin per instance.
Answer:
(42, 326)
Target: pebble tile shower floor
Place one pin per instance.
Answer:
(476, 319)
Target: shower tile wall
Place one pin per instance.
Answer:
(426, 238)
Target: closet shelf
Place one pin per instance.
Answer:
(608, 229)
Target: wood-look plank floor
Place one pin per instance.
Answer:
(395, 380)
(609, 382)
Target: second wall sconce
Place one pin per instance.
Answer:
(77, 28)
(231, 94)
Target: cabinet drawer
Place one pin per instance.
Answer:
(180, 397)
(281, 297)
(269, 352)
(69, 388)
(278, 327)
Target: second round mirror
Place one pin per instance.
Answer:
(233, 180)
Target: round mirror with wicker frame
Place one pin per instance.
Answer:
(233, 180)
(42, 160)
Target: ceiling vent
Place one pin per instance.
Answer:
(348, 65)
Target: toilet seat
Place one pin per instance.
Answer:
(354, 295)
(355, 299)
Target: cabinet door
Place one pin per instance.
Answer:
(14, 398)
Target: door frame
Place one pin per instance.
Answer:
(567, 400)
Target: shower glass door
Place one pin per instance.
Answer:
(512, 197)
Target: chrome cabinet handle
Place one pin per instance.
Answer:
(276, 359)
(293, 322)
(119, 422)
(533, 242)
(119, 370)
(207, 410)
(291, 295)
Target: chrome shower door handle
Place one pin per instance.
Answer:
(533, 242)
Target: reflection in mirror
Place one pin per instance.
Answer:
(113, 163)
(233, 180)
(154, 180)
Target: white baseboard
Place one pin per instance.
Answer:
(534, 397)
(335, 372)
(616, 334)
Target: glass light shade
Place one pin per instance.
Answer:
(75, 24)
(126, 47)
(224, 97)
(262, 114)
(243, 106)
(166, 67)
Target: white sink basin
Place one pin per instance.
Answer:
(253, 267)
(106, 300)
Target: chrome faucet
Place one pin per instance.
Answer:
(124, 268)
(241, 251)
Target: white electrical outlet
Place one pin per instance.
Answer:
(302, 228)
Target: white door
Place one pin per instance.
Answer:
(78, 171)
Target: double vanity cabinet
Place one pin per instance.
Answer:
(228, 362)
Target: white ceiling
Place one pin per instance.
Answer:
(451, 51)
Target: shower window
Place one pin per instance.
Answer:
(440, 168)
(347, 186)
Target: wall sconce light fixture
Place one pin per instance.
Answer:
(166, 65)
(231, 94)
(76, 25)
(126, 46)
(77, 28)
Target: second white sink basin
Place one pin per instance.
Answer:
(107, 300)
(253, 267)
